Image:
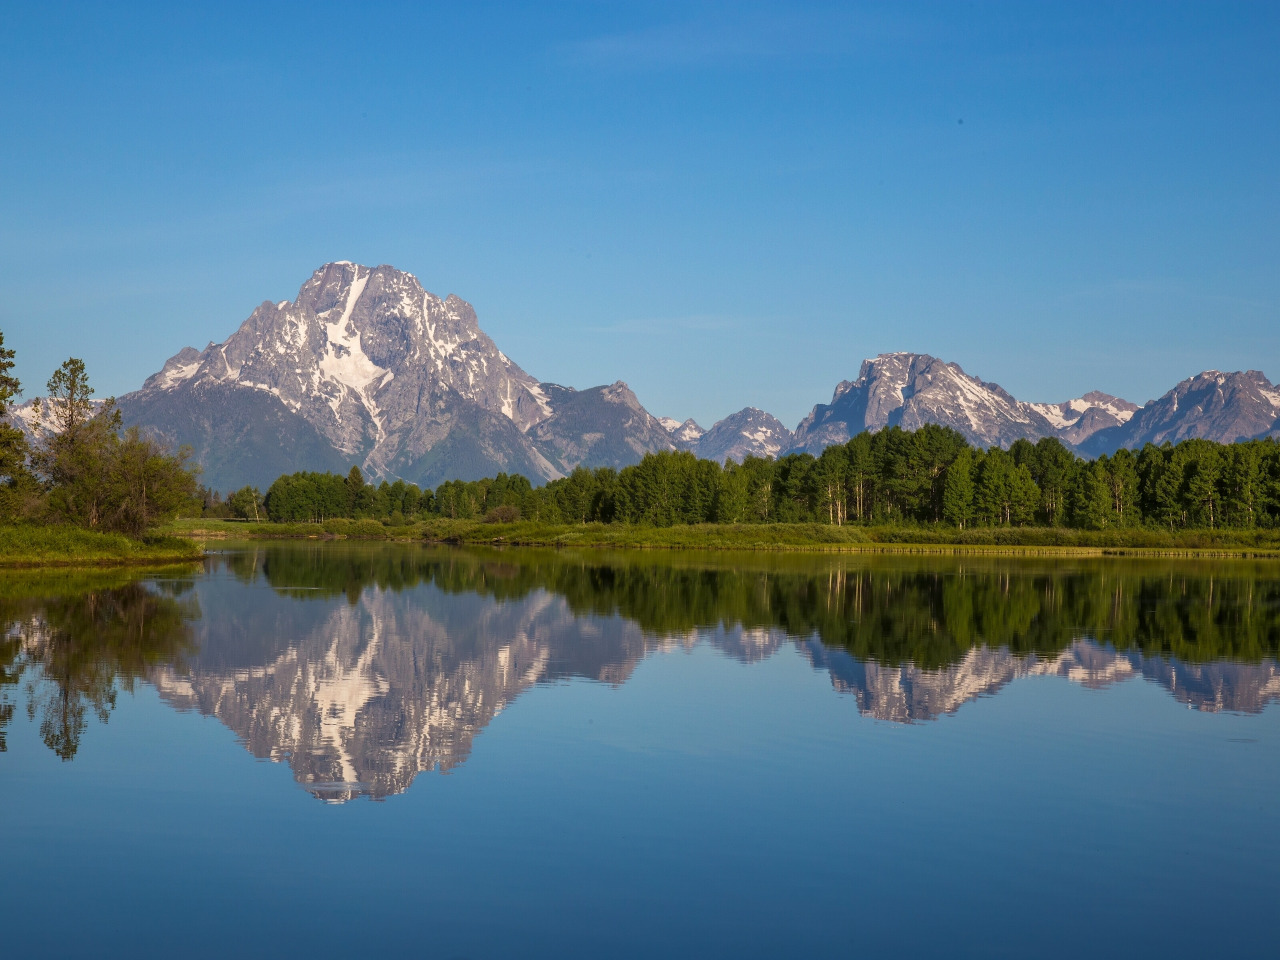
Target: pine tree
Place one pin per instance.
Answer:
(18, 491)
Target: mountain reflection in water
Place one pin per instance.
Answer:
(363, 665)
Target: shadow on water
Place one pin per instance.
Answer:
(362, 665)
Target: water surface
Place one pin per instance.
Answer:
(346, 748)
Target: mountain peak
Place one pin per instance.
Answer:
(367, 363)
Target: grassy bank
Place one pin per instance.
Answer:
(1011, 541)
(35, 546)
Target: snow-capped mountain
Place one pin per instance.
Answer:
(366, 367)
(685, 434)
(912, 389)
(1225, 407)
(748, 433)
(1077, 420)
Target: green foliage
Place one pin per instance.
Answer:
(246, 504)
(18, 489)
(929, 478)
(84, 472)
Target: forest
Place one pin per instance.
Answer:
(928, 477)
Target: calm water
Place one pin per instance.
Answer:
(335, 749)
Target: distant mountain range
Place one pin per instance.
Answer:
(366, 367)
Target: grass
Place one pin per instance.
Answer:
(57, 546)
(212, 529)
(1008, 541)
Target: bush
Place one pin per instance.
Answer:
(507, 513)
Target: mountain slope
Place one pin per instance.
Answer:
(366, 367)
(910, 390)
(1225, 407)
(599, 427)
(748, 433)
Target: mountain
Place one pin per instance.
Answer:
(367, 367)
(912, 389)
(1077, 420)
(1225, 407)
(600, 427)
(685, 434)
(749, 432)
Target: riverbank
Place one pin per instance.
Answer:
(35, 546)
(1003, 541)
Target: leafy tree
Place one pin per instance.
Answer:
(1093, 508)
(96, 478)
(957, 494)
(247, 504)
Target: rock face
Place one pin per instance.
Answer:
(1077, 420)
(748, 433)
(600, 427)
(366, 367)
(685, 434)
(912, 389)
(1225, 407)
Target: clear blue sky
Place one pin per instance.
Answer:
(722, 204)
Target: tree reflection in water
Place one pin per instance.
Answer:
(362, 665)
(71, 642)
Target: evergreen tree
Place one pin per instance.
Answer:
(1052, 466)
(17, 487)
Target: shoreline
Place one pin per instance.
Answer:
(765, 538)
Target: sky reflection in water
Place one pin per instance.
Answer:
(722, 799)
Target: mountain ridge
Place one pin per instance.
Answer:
(366, 367)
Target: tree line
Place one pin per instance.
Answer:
(84, 469)
(930, 476)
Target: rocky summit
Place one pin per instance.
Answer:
(748, 433)
(366, 367)
(911, 389)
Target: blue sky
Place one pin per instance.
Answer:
(723, 204)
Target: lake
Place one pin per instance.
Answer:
(339, 749)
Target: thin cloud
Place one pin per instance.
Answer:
(735, 39)
(669, 325)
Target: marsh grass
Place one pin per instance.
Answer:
(66, 546)
(821, 537)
